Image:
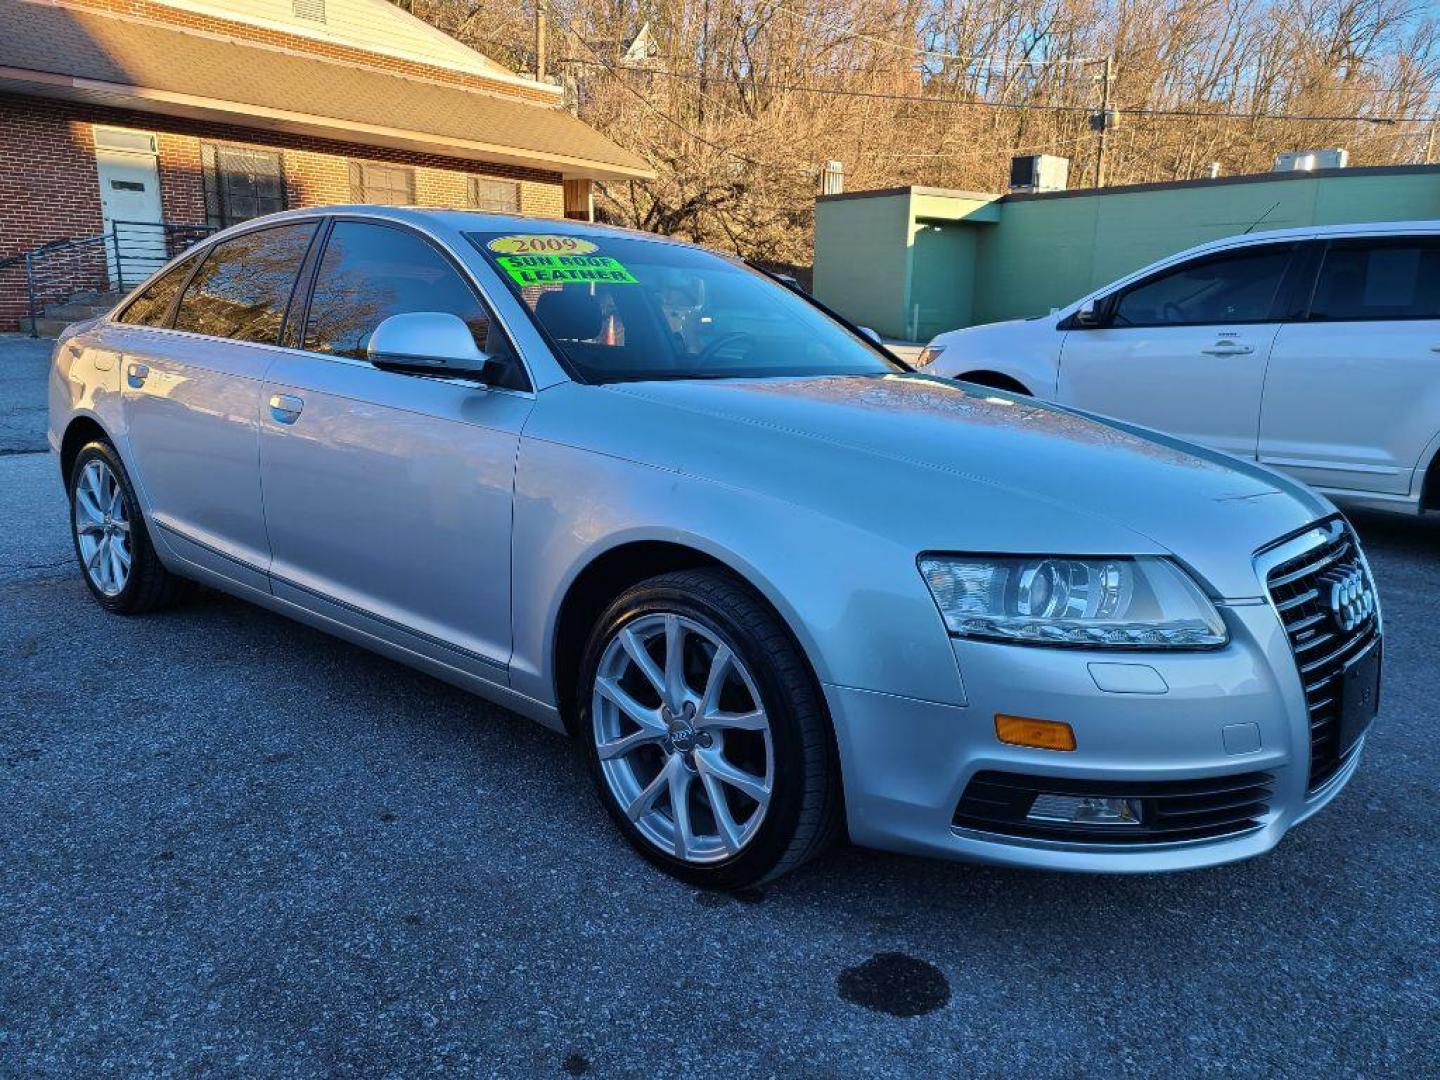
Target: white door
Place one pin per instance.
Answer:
(130, 204)
(1184, 350)
(1352, 397)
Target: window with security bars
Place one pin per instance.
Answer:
(387, 185)
(496, 196)
(241, 183)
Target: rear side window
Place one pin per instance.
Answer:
(1367, 280)
(1236, 287)
(152, 306)
(242, 288)
(370, 272)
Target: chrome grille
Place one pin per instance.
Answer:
(1300, 590)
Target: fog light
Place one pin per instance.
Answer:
(1084, 810)
(1042, 734)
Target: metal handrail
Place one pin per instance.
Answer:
(121, 257)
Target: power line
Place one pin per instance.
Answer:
(600, 62)
(1015, 106)
(934, 53)
(999, 62)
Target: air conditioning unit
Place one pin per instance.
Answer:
(1039, 172)
(1309, 160)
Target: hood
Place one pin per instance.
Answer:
(968, 470)
(985, 329)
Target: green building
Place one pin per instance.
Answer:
(911, 262)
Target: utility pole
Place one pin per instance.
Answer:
(1102, 122)
(540, 20)
(1430, 141)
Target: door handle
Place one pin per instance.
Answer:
(285, 408)
(136, 374)
(1228, 348)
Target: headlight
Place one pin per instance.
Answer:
(928, 355)
(1139, 603)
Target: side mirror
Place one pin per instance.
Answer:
(426, 343)
(871, 334)
(1087, 316)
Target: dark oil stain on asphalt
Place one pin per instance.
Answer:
(895, 984)
(576, 1064)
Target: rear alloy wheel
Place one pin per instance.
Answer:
(102, 528)
(705, 732)
(111, 543)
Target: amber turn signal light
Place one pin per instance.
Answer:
(1042, 734)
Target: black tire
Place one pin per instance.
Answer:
(805, 810)
(149, 586)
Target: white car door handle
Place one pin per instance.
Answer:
(136, 374)
(285, 408)
(1228, 348)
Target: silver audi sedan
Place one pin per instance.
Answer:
(780, 588)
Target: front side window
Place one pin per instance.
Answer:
(152, 306)
(623, 309)
(243, 287)
(384, 185)
(370, 272)
(1235, 287)
(241, 184)
(1366, 280)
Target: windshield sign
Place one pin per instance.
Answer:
(626, 309)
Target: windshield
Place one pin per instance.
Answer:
(622, 309)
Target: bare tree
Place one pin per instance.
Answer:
(747, 99)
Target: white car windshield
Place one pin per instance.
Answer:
(622, 309)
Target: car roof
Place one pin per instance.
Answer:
(473, 221)
(1358, 228)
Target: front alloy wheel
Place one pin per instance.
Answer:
(682, 737)
(706, 732)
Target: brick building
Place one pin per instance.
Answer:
(179, 114)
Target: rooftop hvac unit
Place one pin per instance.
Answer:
(1039, 172)
(1309, 160)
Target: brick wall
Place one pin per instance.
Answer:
(347, 54)
(49, 188)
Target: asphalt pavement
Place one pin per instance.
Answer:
(233, 846)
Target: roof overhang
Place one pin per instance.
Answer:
(170, 103)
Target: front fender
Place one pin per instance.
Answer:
(854, 601)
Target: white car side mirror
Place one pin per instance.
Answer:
(426, 342)
(871, 334)
(1087, 315)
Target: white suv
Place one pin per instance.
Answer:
(1315, 350)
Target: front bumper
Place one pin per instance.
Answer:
(1237, 710)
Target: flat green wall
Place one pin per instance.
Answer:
(880, 254)
(862, 260)
(1046, 252)
(957, 258)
